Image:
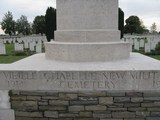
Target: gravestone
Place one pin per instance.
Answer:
(39, 47)
(32, 45)
(136, 44)
(86, 73)
(2, 48)
(18, 46)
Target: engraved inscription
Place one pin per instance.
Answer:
(20, 75)
(79, 80)
(15, 84)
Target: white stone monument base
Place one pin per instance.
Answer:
(6, 114)
(87, 35)
(87, 52)
(137, 73)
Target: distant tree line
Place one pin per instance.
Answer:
(41, 24)
(46, 24)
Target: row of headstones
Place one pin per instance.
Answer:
(147, 42)
(31, 43)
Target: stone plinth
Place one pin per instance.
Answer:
(138, 73)
(87, 31)
(87, 52)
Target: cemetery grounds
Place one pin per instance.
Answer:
(11, 56)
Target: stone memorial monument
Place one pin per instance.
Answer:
(87, 73)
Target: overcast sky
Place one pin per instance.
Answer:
(147, 10)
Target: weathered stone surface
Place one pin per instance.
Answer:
(49, 97)
(27, 105)
(137, 109)
(132, 105)
(86, 119)
(19, 98)
(51, 114)
(102, 114)
(43, 103)
(95, 108)
(121, 99)
(155, 114)
(69, 115)
(26, 118)
(58, 102)
(117, 109)
(142, 114)
(153, 118)
(92, 94)
(115, 94)
(151, 94)
(137, 99)
(29, 114)
(105, 100)
(83, 102)
(66, 96)
(123, 115)
(41, 93)
(151, 98)
(88, 98)
(57, 108)
(135, 119)
(76, 108)
(7, 114)
(154, 109)
(85, 114)
(32, 98)
(111, 119)
(147, 104)
(134, 94)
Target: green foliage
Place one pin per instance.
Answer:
(8, 24)
(134, 25)
(10, 59)
(155, 56)
(50, 19)
(9, 49)
(153, 28)
(23, 26)
(39, 25)
(121, 22)
(157, 49)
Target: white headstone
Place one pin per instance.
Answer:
(19, 47)
(32, 46)
(147, 47)
(142, 43)
(39, 48)
(136, 44)
(2, 49)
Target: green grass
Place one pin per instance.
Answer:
(10, 56)
(10, 59)
(155, 56)
(9, 49)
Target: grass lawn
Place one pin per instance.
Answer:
(155, 56)
(10, 57)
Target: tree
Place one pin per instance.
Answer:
(121, 22)
(133, 25)
(8, 24)
(153, 28)
(50, 19)
(157, 49)
(39, 25)
(23, 26)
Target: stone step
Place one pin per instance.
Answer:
(87, 52)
